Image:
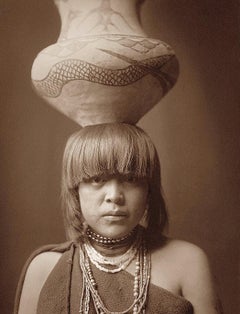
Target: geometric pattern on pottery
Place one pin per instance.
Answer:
(103, 16)
(69, 70)
(136, 43)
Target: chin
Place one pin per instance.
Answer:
(114, 232)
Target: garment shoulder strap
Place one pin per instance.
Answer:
(60, 248)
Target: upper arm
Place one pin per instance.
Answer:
(36, 275)
(198, 283)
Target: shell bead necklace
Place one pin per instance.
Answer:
(116, 263)
(140, 285)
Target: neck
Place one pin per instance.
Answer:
(111, 247)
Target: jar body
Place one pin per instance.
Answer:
(103, 68)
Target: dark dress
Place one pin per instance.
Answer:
(61, 292)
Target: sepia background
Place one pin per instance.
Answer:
(196, 129)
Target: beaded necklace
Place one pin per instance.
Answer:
(110, 242)
(116, 263)
(140, 287)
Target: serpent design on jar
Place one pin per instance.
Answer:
(72, 69)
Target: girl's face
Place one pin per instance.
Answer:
(113, 205)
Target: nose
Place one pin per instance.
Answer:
(114, 192)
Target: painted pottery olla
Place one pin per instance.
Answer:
(103, 67)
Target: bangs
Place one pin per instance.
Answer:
(109, 149)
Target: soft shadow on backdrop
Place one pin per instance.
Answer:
(196, 130)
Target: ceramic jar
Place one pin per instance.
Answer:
(103, 68)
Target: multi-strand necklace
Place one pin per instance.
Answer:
(112, 265)
(116, 263)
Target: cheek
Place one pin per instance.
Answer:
(85, 202)
(140, 200)
(143, 194)
(87, 210)
(89, 202)
(141, 206)
(85, 195)
(82, 200)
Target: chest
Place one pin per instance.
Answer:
(63, 289)
(164, 274)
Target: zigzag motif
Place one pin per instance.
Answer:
(73, 69)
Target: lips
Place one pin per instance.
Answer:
(115, 215)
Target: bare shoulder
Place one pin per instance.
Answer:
(185, 251)
(190, 258)
(36, 275)
(189, 268)
(177, 258)
(181, 252)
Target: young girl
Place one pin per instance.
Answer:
(117, 259)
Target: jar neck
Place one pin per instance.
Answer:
(99, 17)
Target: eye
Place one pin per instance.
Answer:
(97, 180)
(94, 180)
(130, 178)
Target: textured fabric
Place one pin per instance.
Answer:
(60, 248)
(61, 292)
